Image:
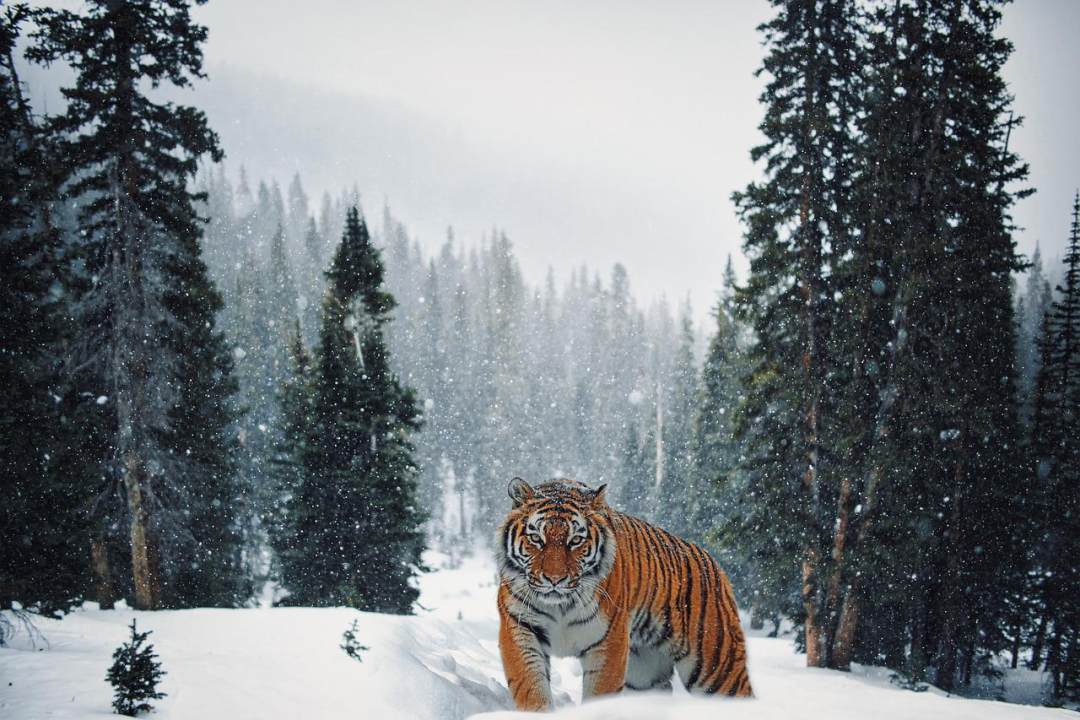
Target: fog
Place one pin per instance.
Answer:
(590, 132)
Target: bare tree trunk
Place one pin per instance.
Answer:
(104, 592)
(843, 647)
(832, 600)
(812, 625)
(144, 556)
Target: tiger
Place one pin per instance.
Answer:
(633, 602)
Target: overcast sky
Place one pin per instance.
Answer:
(592, 132)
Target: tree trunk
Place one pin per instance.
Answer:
(967, 654)
(1037, 645)
(812, 626)
(1068, 666)
(952, 610)
(918, 659)
(1053, 662)
(144, 554)
(832, 602)
(843, 647)
(132, 326)
(816, 647)
(844, 641)
(1015, 662)
(104, 592)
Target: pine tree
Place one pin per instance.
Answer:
(797, 221)
(205, 564)
(352, 525)
(1056, 456)
(43, 513)
(290, 456)
(281, 301)
(936, 352)
(717, 488)
(1032, 306)
(881, 394)
(636, 472)
(674, 510)
(129, 163)
(134, 675)
(298, 214)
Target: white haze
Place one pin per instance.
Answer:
(590, 132)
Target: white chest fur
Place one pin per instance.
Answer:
(567, 630)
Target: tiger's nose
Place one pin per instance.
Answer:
(554, 579)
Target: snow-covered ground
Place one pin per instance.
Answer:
(283, 663)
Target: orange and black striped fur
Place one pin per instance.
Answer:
(632, 601)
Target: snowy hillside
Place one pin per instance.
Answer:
(285, 663)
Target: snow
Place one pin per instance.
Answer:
(271, 663)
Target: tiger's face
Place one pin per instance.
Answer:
(556, 542)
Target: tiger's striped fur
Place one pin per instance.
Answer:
(632, 601)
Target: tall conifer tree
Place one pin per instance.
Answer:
(145, 292)
(352, 525)
(797, 221)
(1056, 459)
(43, 495)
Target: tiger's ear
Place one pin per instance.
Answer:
(598, 499)
(520, 491)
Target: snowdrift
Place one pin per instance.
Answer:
(280, 663)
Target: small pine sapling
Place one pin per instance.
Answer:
(134, 675)
(351, 645)
(908, 681)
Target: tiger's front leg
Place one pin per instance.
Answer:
(525, 662)
(604, 665)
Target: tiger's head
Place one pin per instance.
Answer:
(557, 540)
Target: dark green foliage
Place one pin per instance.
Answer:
(637, 475)
(675, 508)
(880, 427)
(1055, 473)
(146, 350)
(908, 683)
(206, 566)
(351, 531)
(798, 224)
(726, 507)
(350, 644)
(44, 493)
(134, 675)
